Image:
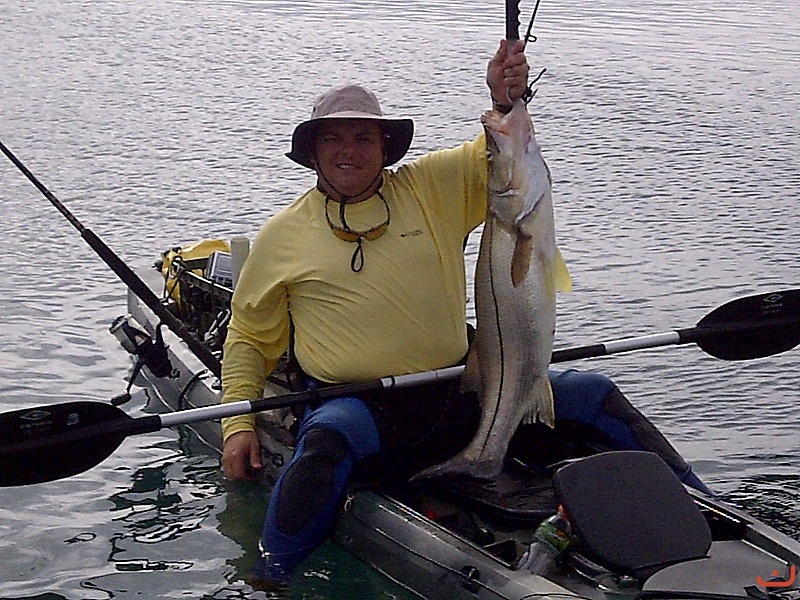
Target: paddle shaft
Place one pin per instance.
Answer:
(124, 272)
(231, 409)
(700, 335)
(153, 423)
(656, 340)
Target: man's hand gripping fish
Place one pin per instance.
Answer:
(518, 273)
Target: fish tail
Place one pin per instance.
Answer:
(562, 277)
(471, 378)
(543, 409)
(460, 466)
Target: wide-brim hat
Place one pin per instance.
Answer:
(351, 102)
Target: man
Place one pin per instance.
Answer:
(367, 270)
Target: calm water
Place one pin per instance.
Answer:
(673, 133)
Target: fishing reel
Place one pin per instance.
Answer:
(150, 352)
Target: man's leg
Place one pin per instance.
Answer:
(310, 491)
(593, 399)
(592, 414)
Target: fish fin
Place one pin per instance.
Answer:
(545, 411)
(471, 378)
(521, 261)
(562, 276)
(458, 465)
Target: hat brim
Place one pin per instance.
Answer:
(399, 133)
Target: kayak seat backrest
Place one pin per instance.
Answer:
(630, 513)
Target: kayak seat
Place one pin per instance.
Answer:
(630, 513)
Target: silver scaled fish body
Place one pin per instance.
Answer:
(518, 273)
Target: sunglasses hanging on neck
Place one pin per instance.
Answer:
(346, 233)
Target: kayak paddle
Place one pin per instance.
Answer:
(52, 442)
(742, 329)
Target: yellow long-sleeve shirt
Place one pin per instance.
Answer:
(404, 312)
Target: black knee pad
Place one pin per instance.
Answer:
(308, 482)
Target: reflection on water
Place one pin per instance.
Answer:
(671, 130)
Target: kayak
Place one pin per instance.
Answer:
(634, 530)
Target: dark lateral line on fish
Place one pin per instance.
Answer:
(499, 333)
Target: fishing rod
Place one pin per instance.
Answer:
(52, 442)
(125, 273)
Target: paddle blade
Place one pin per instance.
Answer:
(752, 327)
(52, 442)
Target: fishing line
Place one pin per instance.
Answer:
(183, 397)
(528, 35)
(529, 92)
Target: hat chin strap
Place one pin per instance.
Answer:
(357, 261)
(343, 198)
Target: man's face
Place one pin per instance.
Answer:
(349, 153)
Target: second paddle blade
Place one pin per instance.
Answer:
(752, 327)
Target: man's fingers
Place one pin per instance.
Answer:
(241, 456)
(255, 455)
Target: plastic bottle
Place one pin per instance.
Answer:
(550, 539)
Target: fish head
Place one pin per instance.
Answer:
(514, 127)
(509, 143)
(500, 153)
(501, 181)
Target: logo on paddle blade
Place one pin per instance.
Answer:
(35, 416)
(36, 420)
(772, 304)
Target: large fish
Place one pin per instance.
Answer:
(518, 273)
